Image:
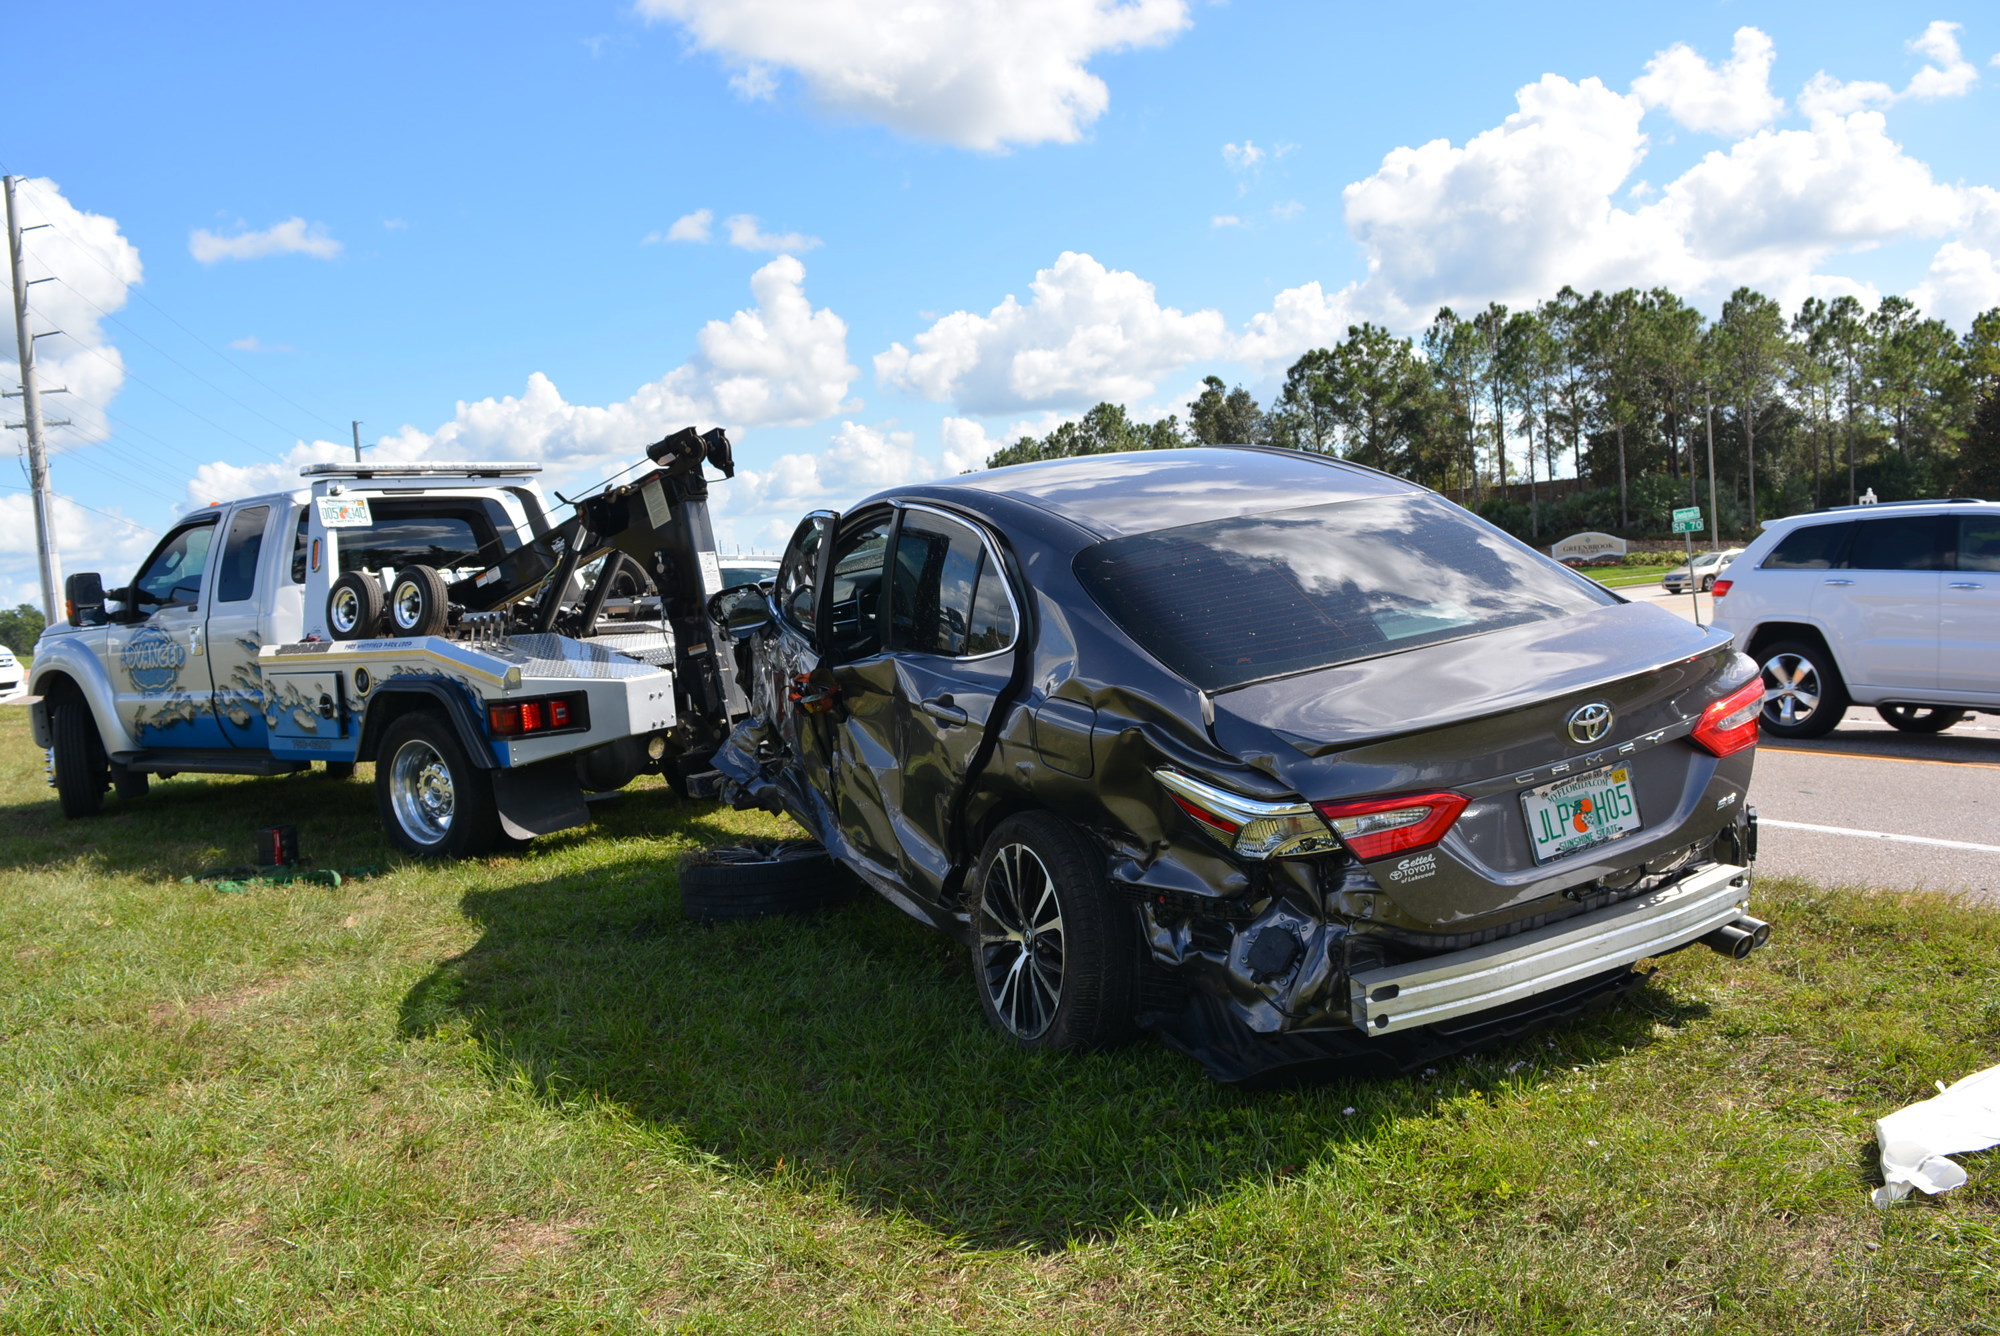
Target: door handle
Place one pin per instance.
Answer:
(1965, 584)
(941, 709)
(1838, 582)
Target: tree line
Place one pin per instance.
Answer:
(1601, 411)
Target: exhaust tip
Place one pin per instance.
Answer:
(1731, 941)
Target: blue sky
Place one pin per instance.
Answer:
(953, 222)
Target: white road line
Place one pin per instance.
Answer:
(1880, 835)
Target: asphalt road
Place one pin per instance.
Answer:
(1868, 806)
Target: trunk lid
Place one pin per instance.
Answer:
(1487, 717)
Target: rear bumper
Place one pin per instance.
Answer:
(1396, 998)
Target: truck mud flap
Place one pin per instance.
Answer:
(539, 799)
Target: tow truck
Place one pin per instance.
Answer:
(494, 662)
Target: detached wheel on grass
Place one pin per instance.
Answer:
(1056, 958)
(758, 879)
(82, 770)
(434, 803)
(1919, 718)
(1803, 694)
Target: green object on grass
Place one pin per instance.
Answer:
(237, 880)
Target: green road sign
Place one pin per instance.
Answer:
(1687, 519)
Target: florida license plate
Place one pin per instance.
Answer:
(1579, 813)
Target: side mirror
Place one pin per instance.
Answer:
(740, 610)
(83, 599)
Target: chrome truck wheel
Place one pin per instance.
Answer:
(434, 803)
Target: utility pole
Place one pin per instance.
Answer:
(31, 419)
(1714, 508)
(357, 442)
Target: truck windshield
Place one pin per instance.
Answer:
(1234, 601)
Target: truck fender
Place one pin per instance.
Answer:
(63, 666)
(416, 691)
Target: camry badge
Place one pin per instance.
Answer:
(1589, 723)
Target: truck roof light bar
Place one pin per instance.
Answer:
(477, 469)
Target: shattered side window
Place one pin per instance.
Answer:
(1233, 601)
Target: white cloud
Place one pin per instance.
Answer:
(1225, 220)
(980, 74)
(1962, 282)
(1948, 73)
(1242, 157)
(1303, 317)
(754, 84)
(777, 363)
(1089, 333)
(250, 343)
(291, 237)
(1732, 100)
(966, 445)
(688, 227)
(744, 235)
(1288, 211)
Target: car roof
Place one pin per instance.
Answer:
(1139, 491)
(1950, 505)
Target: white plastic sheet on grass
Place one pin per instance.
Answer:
(1915, 1140)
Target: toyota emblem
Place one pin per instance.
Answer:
(1589, 723)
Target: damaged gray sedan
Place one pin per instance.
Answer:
(1280, 758)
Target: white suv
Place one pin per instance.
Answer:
(1895, 606)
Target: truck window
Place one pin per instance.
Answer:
(236, 578)
(447, 534)
(299, 544)
(172, 575)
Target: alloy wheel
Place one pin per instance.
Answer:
(1021, 941)
(1792, 689)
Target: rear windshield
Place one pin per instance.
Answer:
(1234, 601)
(450, 534)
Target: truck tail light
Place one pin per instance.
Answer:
(547, 714)
(1719, 588)
(1730, 724)
(1249, 827)
(1373, 828)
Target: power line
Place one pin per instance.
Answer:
(97, 257)
(177, 362)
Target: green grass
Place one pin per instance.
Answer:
(1619, 577)
(521, 1095)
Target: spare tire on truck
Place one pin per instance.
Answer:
(760, 878)
(354, 607)
(418, 604)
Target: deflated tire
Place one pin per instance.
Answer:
(760, 878)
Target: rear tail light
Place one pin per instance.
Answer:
(1719, 588)
(547, 714)
(1249, 827)
(1377, 827)
(1730, 724)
